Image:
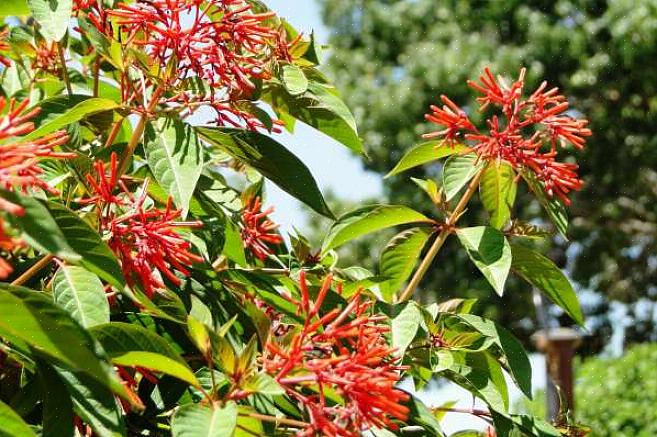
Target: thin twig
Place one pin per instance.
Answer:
(440, 240)
(277, 420)
(96, 75)
(65, 77)
(472, 411)
(29, 273)
(116, 128)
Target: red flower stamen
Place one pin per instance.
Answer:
(526, 134)
(258, 231)
(343, 350)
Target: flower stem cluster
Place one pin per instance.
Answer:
(342, 351)
(526, 132)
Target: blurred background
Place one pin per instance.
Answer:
(391, 59)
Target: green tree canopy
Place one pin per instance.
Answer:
(393, 58)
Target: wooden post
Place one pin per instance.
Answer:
(559, 346)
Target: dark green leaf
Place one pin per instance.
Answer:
(498, 192)
(401, 254)
(554, 208)
(57, 405)
(426, 152)
(272, 160)
(320, 108)
(96, 254)
(515, 355)
(547, 277)
(52, 333)
(85, 108)
(39, 229)
(94, 403)
(482, 375)
(12, 424)
(529, 426)
(369, 219)
(82, 295)
(490, 252)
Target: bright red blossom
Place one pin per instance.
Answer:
(258, 231)
(343, 350)
(526, 133)
(224, 43)
(19, 160)
(146, 240)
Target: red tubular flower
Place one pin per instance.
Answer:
(343, 350)
(222, 42)
(258, 231)
(19, 159)
(7, 244)
(147, 240)
(526, 133)
(4, 46)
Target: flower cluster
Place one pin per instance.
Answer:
(19, 164)
(258, 230)
(223, 43)
(342, 351)
(146, 240)
(4, 46)
(526, 134)
(46, 58)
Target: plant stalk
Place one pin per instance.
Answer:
(65, 78)
(442, 237)
(278, 420)
(29, 273)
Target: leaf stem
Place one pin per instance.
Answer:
(29, 273)
(442, 237)
(473, 411)
(65, 78)
(277, 420)
(96, 75)
(116, 128)
(138, 132)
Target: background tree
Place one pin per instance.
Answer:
(393, 58)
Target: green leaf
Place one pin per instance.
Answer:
(33, 318)
(118, 338)
(248, 426)
(430, 187)
(14, 8)
(490, 251)
(81, 294)
(405, 326)
(401, 254)
(420, 415)
(529, 426)
(458, 171)
(554, 208)
(57, 404)
(157, 363)
(426, 152)
(498, 192)
(86, 107)
(294, 80)
(515, 355)
(96, 254)
(369, 219)
(542, 273)
(175, 157)
(272, 160)
(53, 16)
(482, 375)
(12, 424)
(94, 403)
(39, 229)
(195, 420)
(320, 108)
